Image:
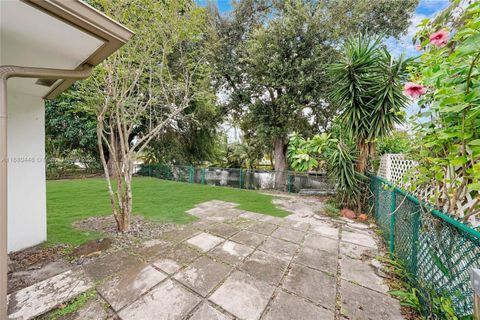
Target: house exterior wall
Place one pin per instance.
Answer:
(27, 213)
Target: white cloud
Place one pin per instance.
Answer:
(404, 44)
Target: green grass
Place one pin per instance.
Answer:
(157, 200)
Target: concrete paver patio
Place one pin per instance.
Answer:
(232, 264)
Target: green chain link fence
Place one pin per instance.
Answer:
(254, 179)
(437, 250)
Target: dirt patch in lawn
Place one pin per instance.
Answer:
(140, 229)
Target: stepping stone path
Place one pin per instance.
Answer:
(230, 264)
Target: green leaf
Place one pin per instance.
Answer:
(474, 186)
(470, 46)
(475, 142)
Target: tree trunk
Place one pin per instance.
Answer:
(111, 167)
(280, 164)
(363, 152)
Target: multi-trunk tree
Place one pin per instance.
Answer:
(146, 86)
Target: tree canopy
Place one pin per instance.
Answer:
(271, 58)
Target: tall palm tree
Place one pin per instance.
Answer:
(368, 91)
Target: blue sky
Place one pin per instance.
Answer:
(425, 9)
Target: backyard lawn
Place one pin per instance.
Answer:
(157, 200)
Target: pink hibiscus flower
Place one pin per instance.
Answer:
(414, 90)
(439, 38)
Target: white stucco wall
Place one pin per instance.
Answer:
(27, 219)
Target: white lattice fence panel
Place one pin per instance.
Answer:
(393, 168)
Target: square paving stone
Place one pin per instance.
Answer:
(231, 252)
(180, 234)
(197, 212)
(318, 259)
(222, 229)
(360, 238)
(270, 219)
(362, 303)
(248, 238)
(262, 228)
(251, 215)
(175, 258)
(291, 235)
(312, 284)
(243, 296)
(168, 300)
(110, 265)
(326, 230)
(279, 248)
(202, 224)
(48, 294)
(264, 267)
(207, 312)
(241, 223)
(356, 251)
(289, 307)
(130, 285)
(313, 240)
(93, 309)
(205, 241)
(203, 275)
(362, 273)
(294, 224)
(152, 248)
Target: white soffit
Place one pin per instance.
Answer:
(33, 38)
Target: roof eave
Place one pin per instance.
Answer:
(86, 18)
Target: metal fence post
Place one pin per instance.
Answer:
(240, 178)
(415, 230)
(392, 223)
(376, 195)
(475, 275)
(289, 179)
(203, 175)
